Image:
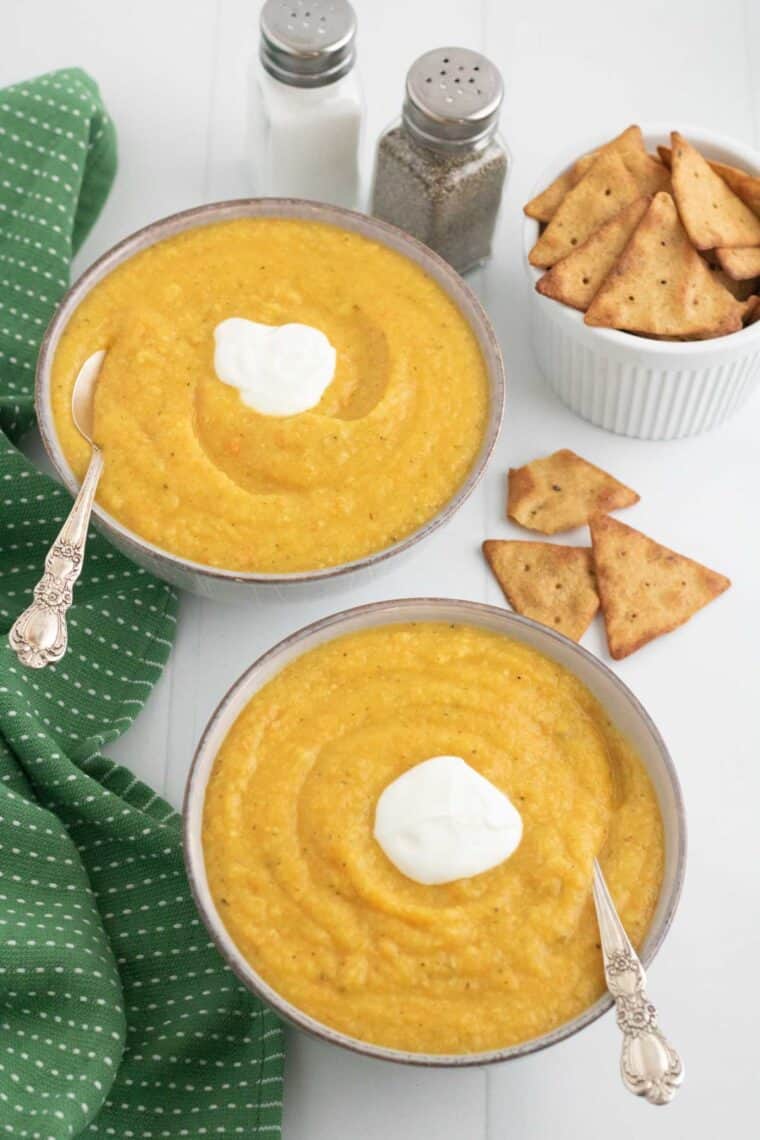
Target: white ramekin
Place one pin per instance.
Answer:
(614, 696)
(629, 384)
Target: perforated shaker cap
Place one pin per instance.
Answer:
(453, 97)
(307, 43)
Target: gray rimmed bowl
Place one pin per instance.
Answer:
(211, 581)
(616, 698)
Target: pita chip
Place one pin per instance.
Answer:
(712, 214)
(603, 191)
(740, 264)
(576, 278)
(563, 491)
(752, 310)
(739, 289)
(660, 286)
(646, 589)
(650, 174)
(544, 206)
(552, 584)
(745, 186)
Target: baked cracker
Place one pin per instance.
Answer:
(737, 288)
(745, 186)
(550, 583)
(576, 278)
(562, 491)
(752, 310)
(660, 286)
(713, 215)
(645, 589)
(740, 264)
(544, 206)
(603, 191)
(649, 173)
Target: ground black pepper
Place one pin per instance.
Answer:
(440, 170)
(450, 201)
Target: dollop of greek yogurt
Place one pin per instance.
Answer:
(280, 370)
(442, 820)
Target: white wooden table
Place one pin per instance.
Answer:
(173, 73)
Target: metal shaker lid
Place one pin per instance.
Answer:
(307, 43)
(453, 96)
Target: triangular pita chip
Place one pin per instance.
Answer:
(645, 588)
(544, 206)
(551, 584)
(712, 214)
(660, 286)
(740, 264)
(752, 310)
(602, 192)
(575, 279)
(739, 289)
(649, 173)
(745, 186)
(563, 491)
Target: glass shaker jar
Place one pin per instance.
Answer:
(440, 169)
(306, 103)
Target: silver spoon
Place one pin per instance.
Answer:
(39, 636)
(649, 1064)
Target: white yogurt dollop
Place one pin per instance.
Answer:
(442, 820)
(280, 369)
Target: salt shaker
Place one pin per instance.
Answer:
(306, 103)
(440, 169)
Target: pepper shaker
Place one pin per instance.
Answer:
(440, 169)
(306, 103)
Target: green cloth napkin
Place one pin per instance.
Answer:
(117, 1016)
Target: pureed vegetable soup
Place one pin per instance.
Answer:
(317, 908)
(190, 467)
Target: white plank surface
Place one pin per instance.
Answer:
(173, 73)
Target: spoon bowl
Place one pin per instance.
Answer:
(83, 396)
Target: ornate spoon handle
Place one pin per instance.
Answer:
(649, 1064)
(39, 636)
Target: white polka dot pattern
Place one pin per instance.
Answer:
(117, 1016)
